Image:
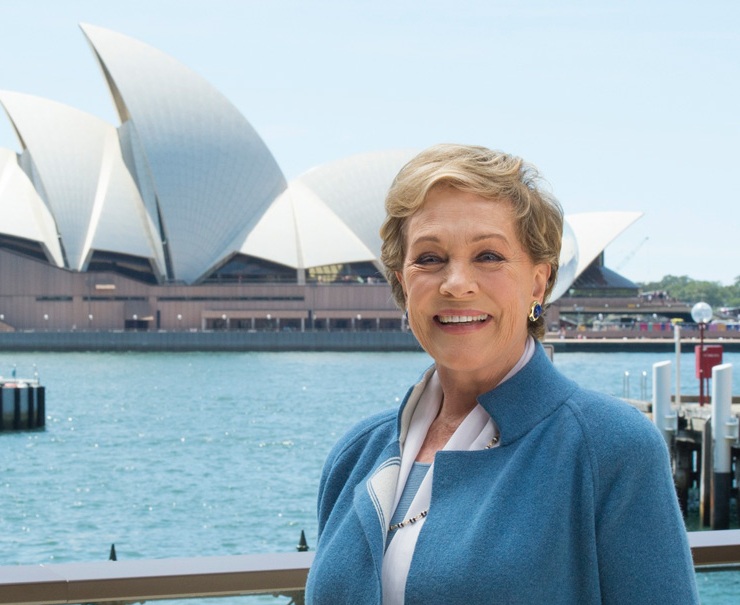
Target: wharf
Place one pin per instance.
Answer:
(625, 344)
(360, 340)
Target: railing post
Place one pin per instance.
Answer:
(626, 385)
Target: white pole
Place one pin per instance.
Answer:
(677, 337)
(725, 433)
(725, 427)
(664, 416)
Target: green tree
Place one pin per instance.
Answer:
(692, 291)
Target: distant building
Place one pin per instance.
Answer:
(180, 218)
(598, 281)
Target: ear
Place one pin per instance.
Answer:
(540, 278)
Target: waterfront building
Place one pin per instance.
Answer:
(179, 217)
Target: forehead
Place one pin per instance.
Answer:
(446, 207)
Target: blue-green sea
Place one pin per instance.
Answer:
(198, 454)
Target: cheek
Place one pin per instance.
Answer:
(416, 284)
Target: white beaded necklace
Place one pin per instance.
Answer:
(424, 513)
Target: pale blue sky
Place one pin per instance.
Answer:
(623, 105)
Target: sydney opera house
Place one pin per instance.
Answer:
(179, 217)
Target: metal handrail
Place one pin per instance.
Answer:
(234, 575)
(715, 549)
(153, 579)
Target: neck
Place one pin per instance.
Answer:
(459, 397)
(460, 391)
(461, 388)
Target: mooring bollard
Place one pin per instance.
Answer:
(725, 434)
(302, 544)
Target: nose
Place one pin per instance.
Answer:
(458, 280)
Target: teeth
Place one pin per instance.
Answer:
(459, 319)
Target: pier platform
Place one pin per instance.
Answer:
(22, 404)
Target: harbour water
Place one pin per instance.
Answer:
(197, 454)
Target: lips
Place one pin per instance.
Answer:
(462, 319)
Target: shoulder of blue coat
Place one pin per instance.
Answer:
(613, 426)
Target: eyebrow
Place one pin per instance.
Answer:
(434, 239)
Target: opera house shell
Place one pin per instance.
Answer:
(180, 217)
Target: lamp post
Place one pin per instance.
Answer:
(179, 322)
(701, 313)
(89, 321)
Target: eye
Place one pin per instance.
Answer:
(427, 259)
(489, 257)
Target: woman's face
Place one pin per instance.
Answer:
(469, 283)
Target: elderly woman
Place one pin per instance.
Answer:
(498, 480)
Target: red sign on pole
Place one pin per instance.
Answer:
(707, 359)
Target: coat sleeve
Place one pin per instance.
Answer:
(642, 546)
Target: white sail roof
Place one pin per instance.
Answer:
(78, 170)
(594, 231)
(23, 212)
(299, 230)
(355, 189)
(210, 173)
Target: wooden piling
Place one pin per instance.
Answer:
(705, 489)
(683, 472)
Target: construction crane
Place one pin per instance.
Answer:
(629, 256)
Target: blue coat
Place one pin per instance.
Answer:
(576, 505)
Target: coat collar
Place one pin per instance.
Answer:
(525, 399)
(516, 406)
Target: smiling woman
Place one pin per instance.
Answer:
(498, 478)
(468, 284)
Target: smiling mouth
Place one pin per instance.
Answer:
(461, 319)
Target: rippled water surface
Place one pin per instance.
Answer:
(195, 454)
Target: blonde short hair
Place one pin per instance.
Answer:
(490, 174)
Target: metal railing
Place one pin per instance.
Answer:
(154, 579)
(235, 575)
